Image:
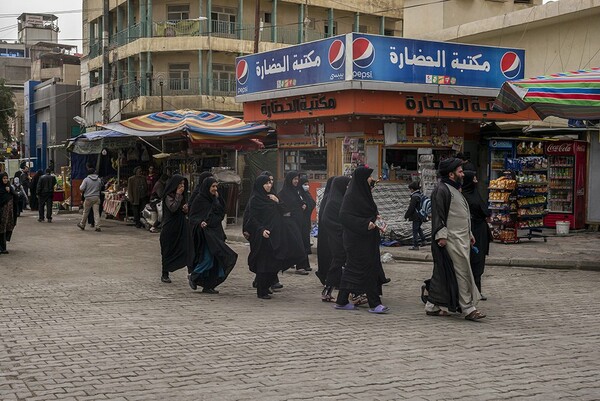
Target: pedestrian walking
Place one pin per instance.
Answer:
(295, 206)
(413, 215)
(33, 199)
(8, 211)
(480, 214)
(334, 230)
(274, 243)
(323, 252)
(452, 287)
(362, 272)
(137, 193)
(213, 260)
(91, 188)
(21, 194)
(305, 229)
(45, 194)
(175, 239)
(151, 179)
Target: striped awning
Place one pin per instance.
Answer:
(199, 126)
(571, 95)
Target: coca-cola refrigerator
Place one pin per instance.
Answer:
(566, 183)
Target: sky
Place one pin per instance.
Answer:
(69, 22)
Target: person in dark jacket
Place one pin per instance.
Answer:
(33, 200)
(175, 238)
(213, 259)
(45, 193)
(479, 227)
(296, 207)
(334, 229)
(412, 214)
(274, 242)
(323, 251)
(137, 192)
(362, 270)
(8, 211)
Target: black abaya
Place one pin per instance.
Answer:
(334, 229)
(323, 251)
(175, 238)
(361, 271)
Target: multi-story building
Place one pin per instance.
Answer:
(174, 55)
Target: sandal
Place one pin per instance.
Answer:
(424, 296)
(474, 316)
(438, 312)
(327, 298)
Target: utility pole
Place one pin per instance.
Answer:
(105, 65)
(256, 26)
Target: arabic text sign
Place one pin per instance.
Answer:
(307, 64)
(385, 58)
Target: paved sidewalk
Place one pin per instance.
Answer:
(578, 250)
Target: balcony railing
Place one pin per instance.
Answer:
(193, 86)
(222, 29)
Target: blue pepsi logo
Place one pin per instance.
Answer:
(363, 53)
(241, 72)
(510, 65)
(337, 54)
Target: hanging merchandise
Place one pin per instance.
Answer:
(145, 154)
(132, 155)
(503, 205)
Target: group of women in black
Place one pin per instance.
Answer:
(278, 228)
(192, 233)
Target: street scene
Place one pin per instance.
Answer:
(94, 322)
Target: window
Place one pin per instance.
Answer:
(223, 20)
(334, 29)
(178, 13)
(224, 79)
(268, 18)
(388, 32)
(179, 77)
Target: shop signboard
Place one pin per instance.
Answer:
(310, 63)
(393, 59)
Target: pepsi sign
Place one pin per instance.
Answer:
(310, 63)
(393, 59)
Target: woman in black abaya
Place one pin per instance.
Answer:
(8, 211)
(201, 177)
(323, 252)
(362, 269)
(272, 244)
(307, 199)
(295, 206)
(334, 229)
(213, 259)
(479, 227)
(175, 239)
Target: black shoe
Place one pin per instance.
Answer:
(5, 252)
(386, 280)
(49, 220)
(193, 285)
(307, 268)
(277, 286)
(270, 291)
(302, 272)
(209, 291)
(41, 220)
(264, 296)
(165, 279)
(483, 297)
(254, 284)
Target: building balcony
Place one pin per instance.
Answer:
(195, 28)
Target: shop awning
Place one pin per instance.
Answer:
(93, 142)
(200, 126)
(570, 95)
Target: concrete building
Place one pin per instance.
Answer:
(184, 53)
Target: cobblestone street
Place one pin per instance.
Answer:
(84, 316)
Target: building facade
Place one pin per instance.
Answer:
(173, 56)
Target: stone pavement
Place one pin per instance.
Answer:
(577, 250)
(83, 316)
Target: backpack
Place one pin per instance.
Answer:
(424, 209)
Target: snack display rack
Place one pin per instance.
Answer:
(503, 205)
(531, 173)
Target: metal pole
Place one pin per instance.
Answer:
(162, 105)
(256, 25)
(105, 65)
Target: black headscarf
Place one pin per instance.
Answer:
(470, 171)
(267, 173)
(201, 206)
(264, 213)
(334, 203)
(325, 197)
(358, 200)
(197, 189)
(173, 183)
(4, 195)
(291, 197)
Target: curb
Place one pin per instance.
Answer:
(551, 264)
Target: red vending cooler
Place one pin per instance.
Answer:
(566, 187)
